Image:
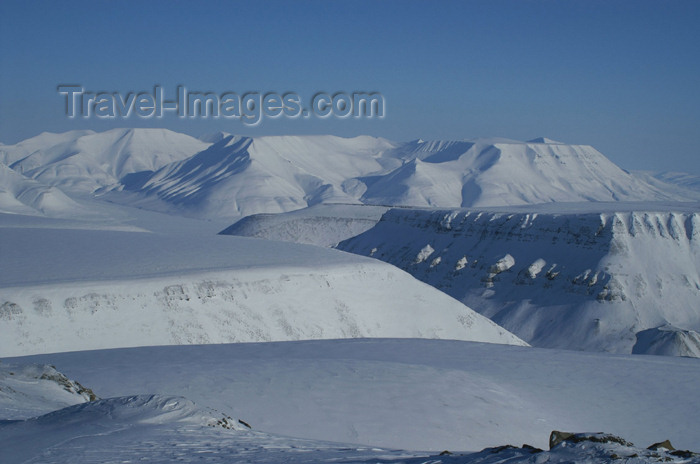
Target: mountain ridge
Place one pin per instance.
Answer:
(225, 176)
(589, 281)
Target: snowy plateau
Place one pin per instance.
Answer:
(324, 299)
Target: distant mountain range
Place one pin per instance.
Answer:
(226, 176)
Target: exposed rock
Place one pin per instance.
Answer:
(557, 437)
(71, 386)
(663, 444)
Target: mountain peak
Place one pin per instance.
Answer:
(214, 137)
(545, 140)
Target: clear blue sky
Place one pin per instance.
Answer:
(623, 76)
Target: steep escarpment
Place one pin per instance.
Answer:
(73, 289)
(584, 280)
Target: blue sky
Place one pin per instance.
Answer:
(622, 76)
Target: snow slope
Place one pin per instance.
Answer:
(496, 172)
(321, 225)
(46, 140)
(28, 390)
(239, 176)
(21, 195)
(84, 161)
(682, 180)
(84, 288)
(100, 430)
(411, 394)
(578, 279)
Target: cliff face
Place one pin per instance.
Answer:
(581, 281)
(240, 305)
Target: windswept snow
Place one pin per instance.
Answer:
(669, 180)
(544, 140)
(411, 394)
(10, 154)
(95, 431)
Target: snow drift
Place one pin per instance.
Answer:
(106, 421)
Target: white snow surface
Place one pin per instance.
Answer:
(101, 430)
(487, 172)
(71, 288)
(588, 279)
(408, 393)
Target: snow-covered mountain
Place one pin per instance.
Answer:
(594, 277)
(497, 172)
(221, 175)
(84, 161)
(10, 154)
(691, 181)
(682, 182)
(359, 360)
(21, 195)
(239, 176)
